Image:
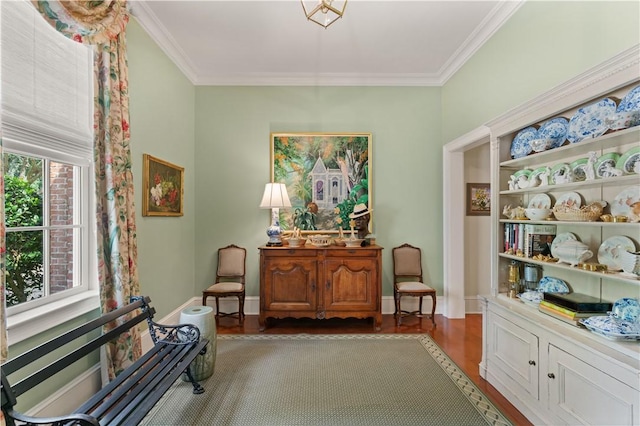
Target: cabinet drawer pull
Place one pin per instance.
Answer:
(328, 284)
(532, 362)
(313, 285)
(551, 376)
(351, 251)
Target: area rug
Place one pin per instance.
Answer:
(329, 380)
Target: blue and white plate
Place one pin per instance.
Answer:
(611, 328)
(589, 121)
(531, 297)
(552, 285)
(556, 130)
(521, 146)
(626, 309)
(631, 101)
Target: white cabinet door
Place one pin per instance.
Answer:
(581, 394)
(514, 350)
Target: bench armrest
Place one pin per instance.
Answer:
(74, 418)
(180, 334)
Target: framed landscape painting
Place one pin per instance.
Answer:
(478, 199)
(163, 184)
(326, 175)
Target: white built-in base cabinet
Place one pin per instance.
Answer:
(555, 373)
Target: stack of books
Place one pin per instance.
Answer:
(572, 307)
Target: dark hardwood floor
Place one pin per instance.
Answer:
(460, 339)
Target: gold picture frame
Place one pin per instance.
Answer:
(163, 187)
(478, 199)
(326, 175)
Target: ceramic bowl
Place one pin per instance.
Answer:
(355, 242)
(623, 120)
(538, 214)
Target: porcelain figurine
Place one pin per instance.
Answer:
(513, 183)
(544, 177)
(523, 182)
(573, 252)
(514, 213)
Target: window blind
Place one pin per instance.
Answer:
(46, 83)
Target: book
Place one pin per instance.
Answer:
(570, 314)
(560, 316)
(578, 302)
(538, 239)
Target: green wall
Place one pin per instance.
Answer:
(162, 109)
(233, 125)
(544, 44)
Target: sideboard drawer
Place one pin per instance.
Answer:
(352, 252)
(290, 252)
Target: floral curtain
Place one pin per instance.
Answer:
(102, 24)
(3, 317)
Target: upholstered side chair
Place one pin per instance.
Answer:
(408, 281)
(230, 280)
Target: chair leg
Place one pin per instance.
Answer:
(420, 307)
(398, 313)
(241, 308)
(204, 300)
(433, 310)
(217, 307)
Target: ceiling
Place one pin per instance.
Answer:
(270, 42)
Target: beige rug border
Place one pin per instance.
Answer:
(476, 397)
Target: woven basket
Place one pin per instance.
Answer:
(589, 213)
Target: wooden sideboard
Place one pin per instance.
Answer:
(321, 282)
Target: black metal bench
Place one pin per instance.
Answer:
(132, 394)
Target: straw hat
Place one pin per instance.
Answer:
(360, 210)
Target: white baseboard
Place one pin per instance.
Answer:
(71, 396)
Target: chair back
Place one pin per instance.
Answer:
(407, 262)
(231, 263)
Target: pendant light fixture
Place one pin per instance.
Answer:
(324, 12)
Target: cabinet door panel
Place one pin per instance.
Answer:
(514, 351)
(581, 394)
(290, 284)
(350, 284)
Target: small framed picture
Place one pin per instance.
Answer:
(163, 184)
(478, 199)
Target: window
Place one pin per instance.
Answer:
(46, 229)
(47, 137)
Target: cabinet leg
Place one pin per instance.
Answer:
(377, 322)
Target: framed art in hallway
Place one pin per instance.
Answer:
(478, 199)
(326, 175)
(163, 185)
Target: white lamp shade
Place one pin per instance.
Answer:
(275, 195)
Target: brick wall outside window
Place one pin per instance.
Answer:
(61, 240)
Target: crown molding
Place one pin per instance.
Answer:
(150, 23)
(482, 33)
(327, 79)
(610, 75)
(496, 18)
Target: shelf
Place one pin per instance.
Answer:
(630, 351)
(609, 140)
(613, 181)
(599, 275)
(629, 225)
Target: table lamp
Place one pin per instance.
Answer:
(275, 196)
